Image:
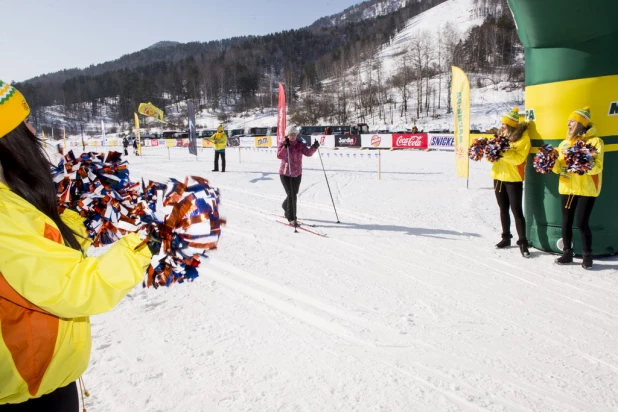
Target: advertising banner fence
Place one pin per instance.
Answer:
(382, 141)
(263, 141)
(347, 140)
(410, 141)
(442, 141)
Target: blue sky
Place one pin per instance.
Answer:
(43, 36)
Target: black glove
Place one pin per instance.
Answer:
(316, 144)
(286, 142)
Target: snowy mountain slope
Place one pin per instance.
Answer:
(489, 102)
(406, 306)
(459, 13)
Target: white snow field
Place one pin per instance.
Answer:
(405, 306)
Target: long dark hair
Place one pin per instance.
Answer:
(25, 166)
(515, 133)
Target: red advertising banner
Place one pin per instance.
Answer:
(154, 142)
(410, 141)
(281, 114)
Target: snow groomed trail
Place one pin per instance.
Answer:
(404, 306)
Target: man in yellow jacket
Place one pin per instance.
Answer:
(220, 141)
(48, 286)
(579, 192)
(508, 175)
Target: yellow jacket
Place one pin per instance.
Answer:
(47, 292)
(588, 184)
(220, 140)
(510, 167)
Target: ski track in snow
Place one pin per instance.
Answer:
(405, 306)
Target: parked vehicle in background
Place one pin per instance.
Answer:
(360, 128)
(169, 134)
(206, 133)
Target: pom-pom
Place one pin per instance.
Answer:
(99, 189)
(477, 150)
(183, 222)
(495, 148)
(545, 159)
(579, 158)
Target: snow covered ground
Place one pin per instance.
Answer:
(405, 306)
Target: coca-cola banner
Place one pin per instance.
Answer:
(410, 141)
(347, 140)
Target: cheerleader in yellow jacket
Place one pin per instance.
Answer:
(508, 175)
(578, 193)
(48, 287)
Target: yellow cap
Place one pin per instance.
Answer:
(511, 118)
(581, 116)
(13, 108)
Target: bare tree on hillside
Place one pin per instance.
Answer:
(401, 81)
(449, 38)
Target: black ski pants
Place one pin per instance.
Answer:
(64, 399)
(222, 155)
(582, 206)
(509, 196)
(291, 186)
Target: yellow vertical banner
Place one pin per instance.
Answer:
(460, 102)
(137, 136)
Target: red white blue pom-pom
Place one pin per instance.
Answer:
(97, 186)
(579, 158)
(477, 150)
(545, 159)
(495, 148)
(182, 219)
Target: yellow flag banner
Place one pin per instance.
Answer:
(137, 136)
(148, 109)
(460, 101)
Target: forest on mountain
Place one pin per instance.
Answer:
(238, 74)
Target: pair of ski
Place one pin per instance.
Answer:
(301, 226)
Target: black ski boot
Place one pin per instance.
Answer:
(504, 243)
(587, 260)
(523, 248)
(567, 257)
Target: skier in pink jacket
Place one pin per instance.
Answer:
(291, 153)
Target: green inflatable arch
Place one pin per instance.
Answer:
(571, 50)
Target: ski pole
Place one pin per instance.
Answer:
(291, 189)
(331, 194)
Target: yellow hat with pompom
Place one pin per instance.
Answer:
(13, 108)
(511, 118)
(581, 116)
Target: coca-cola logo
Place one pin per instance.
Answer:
(412, 141)
(322, 139)
(376, 140)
